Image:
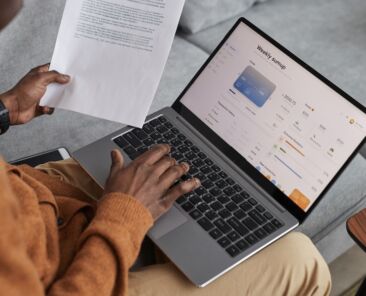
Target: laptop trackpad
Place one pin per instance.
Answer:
(168, 222)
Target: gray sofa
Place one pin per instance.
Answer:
(327, 34)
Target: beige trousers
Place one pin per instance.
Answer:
(290, 266)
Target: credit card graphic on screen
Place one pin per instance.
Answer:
(254, 86)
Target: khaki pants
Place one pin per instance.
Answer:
(290, 266)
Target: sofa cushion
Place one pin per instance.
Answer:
(29, 41)
(327, 34)
(200, 14)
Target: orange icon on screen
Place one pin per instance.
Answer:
(300, 199)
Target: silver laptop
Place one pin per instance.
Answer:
(267, 136)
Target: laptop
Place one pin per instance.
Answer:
(267, 136)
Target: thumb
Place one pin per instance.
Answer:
(117, 161)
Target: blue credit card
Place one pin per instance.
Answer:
(254, 86)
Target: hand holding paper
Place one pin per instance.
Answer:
(115, 51)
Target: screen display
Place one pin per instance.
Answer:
(293, 128)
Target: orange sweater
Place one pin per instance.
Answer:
(55, 241)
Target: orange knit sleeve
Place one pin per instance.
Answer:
(17, 273)
(107, 249)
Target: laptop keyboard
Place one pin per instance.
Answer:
(231, 216)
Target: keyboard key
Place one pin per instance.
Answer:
(202, 155)
(130, 150)
(230, 181)
(177, 156)
(168, 125)
(268, 215)
(237, 188)
(215, 191)
(250, 223)
(205, 224)
(188, 143)
(216, 206)
(229, 191)
(222, 225)
(223, 199)
(224, 213)
(231, 206)
(208, 161)
(156, 136)
(215, 233)
(251, 239)
(223, 175)
(237, 199)
(183, 149)
(182, 199)
(260, 233)
(206, 170)
(201, 191)
(182, 137)
(252, 201)
(233, 251)
(193, 170)
(246, 206)
(239, 227)
(155, 122)
(213, 177)
(244, 194)
(140, 134)
(207, 184)
(195, 149)
(121, 142)
(221, 184)
(195, 199)
(198, 163)
(277, 223)
(200, 176)
(148, 128)
(187, 206)
(203, 207)
(269, 227)
(224, 242)
(131, 138)
(216, 168)
(233, 236)
(163, 119)
(240, 214)
(148, 142)
(208, 198)
(260, 208)
(169, 136)
(190, 155)
(176, 142)
(162, 129)
(195, 214)
(212, 215)
(256, 216)
(175, 131)
(242, 245)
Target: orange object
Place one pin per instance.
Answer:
(300, 199)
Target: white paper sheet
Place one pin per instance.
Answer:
(115, 52)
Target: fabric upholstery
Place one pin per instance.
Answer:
(201, 14)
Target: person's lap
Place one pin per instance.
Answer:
(290, 266)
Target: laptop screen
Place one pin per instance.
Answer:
(287, 123)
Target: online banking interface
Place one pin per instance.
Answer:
(287, 123)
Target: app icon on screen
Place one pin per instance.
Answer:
(254, 86)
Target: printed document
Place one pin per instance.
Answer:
(115, 52)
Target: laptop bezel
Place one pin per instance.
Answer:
(240, 161)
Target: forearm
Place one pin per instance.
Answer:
(107, 249)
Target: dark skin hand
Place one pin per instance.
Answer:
(150, 178)
(22, 101)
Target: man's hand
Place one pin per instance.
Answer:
(23, 100)
(149, 179)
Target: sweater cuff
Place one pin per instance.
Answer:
(124, 210)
